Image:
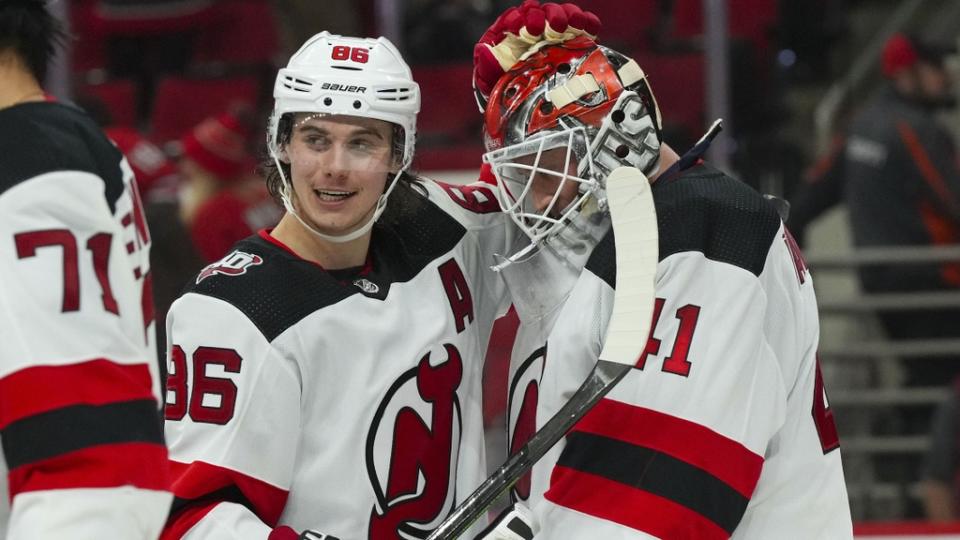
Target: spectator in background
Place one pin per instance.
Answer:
(79, 396)
(896, 170)
(222, 199)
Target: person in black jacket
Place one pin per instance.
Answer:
(895, 168)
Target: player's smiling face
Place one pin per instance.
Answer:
(339, 167)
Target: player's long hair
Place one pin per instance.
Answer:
(29, 31)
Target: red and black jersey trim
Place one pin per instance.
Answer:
(198, 487)
(60, 431)
(44, 137)
(706, 211)
(185, 513)
(89, 424)
(655, 472)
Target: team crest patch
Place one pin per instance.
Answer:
(234, 264)
(367, 286)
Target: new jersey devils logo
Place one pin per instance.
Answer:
(522, 410)
(412, 448)
(234, 264)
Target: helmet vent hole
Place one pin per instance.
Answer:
(546, 107)
(622, 151)
(510, 92)
(563, 68)
(357, 104)
(327, 101)
(617, 116)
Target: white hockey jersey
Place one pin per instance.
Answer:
(723, 429)
(342, 402)
(79, 387)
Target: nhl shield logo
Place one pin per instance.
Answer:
(367, 286)
(234, 264)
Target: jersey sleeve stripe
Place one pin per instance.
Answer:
(54, 433)
(199, 481)
(39, 389)
(138, 464)
(182, 520)
(639, 510)
(722, 457)
(653, 472)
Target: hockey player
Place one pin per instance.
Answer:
(79, 386)
(325, 375)
(723, 429)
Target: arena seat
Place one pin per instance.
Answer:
(678, 81)
(626, 24)
(243, 32)
(449, 113)
(182, 102)
(752, 20)
(117, 96)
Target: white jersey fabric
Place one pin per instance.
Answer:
(83, 453)
(723, 429)
(342, 402)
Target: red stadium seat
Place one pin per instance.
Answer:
(461, 156)
(678, 83)
(89, 50)
(181, 102)
(244, 32)
(749, 19)
(449, 112)
(626, 23)
(119, 98)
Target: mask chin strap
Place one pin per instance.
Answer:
(337, 239)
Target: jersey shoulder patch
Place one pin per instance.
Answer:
(40, 138)
(271, 287)
(707, 211)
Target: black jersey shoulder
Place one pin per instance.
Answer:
(704, 210)
(41, 137)
(280, 289)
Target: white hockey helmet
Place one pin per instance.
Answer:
(364, 77)
(339, 75)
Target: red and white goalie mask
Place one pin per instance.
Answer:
(558, 123)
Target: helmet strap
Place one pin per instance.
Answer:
(286, 196)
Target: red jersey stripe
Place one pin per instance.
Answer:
(40, 389)
(197, 479)
(142, 465)
(181, 523)
(724, 458)
(634, 508)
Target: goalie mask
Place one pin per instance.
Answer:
(558, 123)
(334, 75)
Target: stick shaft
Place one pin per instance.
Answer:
(603, 377)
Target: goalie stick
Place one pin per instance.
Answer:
(634, 222)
